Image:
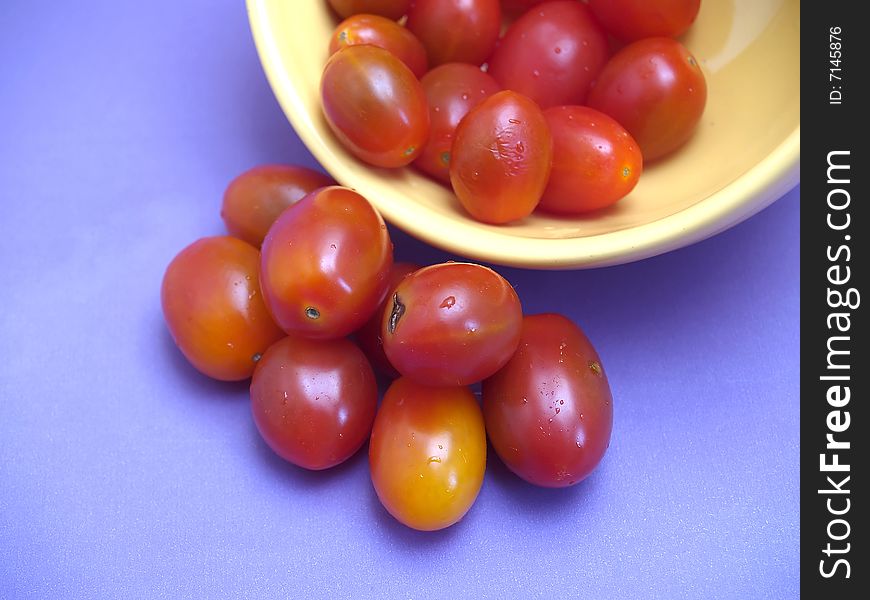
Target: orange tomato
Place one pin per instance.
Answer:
(427, 453)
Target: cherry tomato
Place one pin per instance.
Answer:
(213, 308)
(456, 30)
(631, 20)
(325, 264)
(552, 54)
(427, 453)
(384, 33)
(452, 90)
(392, 9)
(314, 401)
(549, 411)
(656, 90)
(501, 158)
(451, 324)
(369, 335)
(518, 7)
(375, 106)
(255, 198)
(595, 161)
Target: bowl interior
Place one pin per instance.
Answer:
(744, 154)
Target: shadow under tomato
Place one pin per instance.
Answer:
(299, 476)
(535, 499)
(402, 534)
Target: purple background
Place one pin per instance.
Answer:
(124, 473)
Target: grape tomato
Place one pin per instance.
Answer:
(213, 308)
(501, 158)
(551, 54)
(427, 453)
(656, 90)
(314, 401)
(391, 9)
(451, 324)
(452, 90)
(456, 30)
(370, 81)
(631, 20)
(383, 33)
(595, 161)
(254, 199)
(325, 264)
(549, 410)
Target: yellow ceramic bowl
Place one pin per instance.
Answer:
(744, 155)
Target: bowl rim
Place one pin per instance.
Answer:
(750, 192)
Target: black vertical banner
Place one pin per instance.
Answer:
(834, 260)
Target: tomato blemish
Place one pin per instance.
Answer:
(395, 313)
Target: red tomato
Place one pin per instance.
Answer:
(501, 158)
(213, 308)
(451, 324)
(549, 411)
(314, 401)
(551, 54)
(375, 106)
(255, 198)
(392, 9)
(630, 20)
(325, 264)
(595, 161)
(369, 335)
(456, 30)
(452, 90)
(383, 33)
(518, 7)
(427, 453)
(656, 90)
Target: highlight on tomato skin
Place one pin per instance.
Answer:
(451, 324)
(427, 453)
(255, 198)
(501, 158)
(314, 401)
(549, 410)
(369, 80)
(325, 264)
(211, 301)
(596, 162)
(384, 33)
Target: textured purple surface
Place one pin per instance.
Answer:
(123, 473)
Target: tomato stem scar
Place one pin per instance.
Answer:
(395, 313)
(312, 313)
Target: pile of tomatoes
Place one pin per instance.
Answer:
(544, 117)
(303, 296)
